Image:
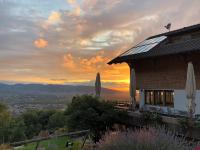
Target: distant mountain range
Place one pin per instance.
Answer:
(39, 93)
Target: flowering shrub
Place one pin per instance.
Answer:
(144, 139)
(197, 148)
(5, 147)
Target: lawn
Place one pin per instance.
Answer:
(54, 144)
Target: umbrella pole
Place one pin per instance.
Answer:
(132, 103)
(190, 120)
(190, 115)
(190, 124)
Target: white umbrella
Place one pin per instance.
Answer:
(132, 87)
(190, 89)
(98, 85)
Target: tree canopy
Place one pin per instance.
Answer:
(89, 112)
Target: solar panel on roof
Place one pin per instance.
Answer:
(145, 46)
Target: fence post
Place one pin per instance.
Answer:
(37, 144)
(84, 140)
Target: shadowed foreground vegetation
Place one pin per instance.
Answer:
(93, 113)
(145, 139)
(29, 124)
(84, 112)
(89, 112)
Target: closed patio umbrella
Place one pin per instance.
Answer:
(132, 88)
(98, 85)
(190, 89)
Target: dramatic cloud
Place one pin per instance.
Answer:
(54, 18)
(77, 11)
(88, 67)
(41, 43)
(71, 1)
(79, 37)
(69, 62)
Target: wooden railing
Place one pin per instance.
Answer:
(125, 105)
(37, 140)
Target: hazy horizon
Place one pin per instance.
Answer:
(64, 84)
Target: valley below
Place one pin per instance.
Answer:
(22, 97)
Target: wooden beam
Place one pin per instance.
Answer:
(70, 134)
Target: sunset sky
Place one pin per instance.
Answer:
(69, 41)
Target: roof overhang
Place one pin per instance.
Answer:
(164, 49)
(169, 49)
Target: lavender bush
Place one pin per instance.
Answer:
(144, 139)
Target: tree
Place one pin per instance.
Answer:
(57, 120)
(29, 124)
(3, 107)
(44, 116)
(5, 120)
(33, 126)
(4, 115)
(38, 120)
(17, 130)
(88, 112)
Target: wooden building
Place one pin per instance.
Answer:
(160, 63)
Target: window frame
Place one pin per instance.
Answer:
(159, 97)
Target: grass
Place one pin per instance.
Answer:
(54, 144)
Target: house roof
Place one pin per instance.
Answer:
(195, 27)
(163, 49)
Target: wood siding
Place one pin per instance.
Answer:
(168, 72)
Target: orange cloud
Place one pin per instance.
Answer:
(69, 61)
(55, 17)
(76, 7)
(85, 68)
(71, 1)
(41, 43)
(77, 11)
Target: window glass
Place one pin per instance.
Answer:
(147, 97)
(159, 97)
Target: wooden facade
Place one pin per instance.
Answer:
(166, 72)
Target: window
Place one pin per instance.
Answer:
(159, 97)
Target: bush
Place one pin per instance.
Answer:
(29, 124)
(183, 123)
(32, 123)
(56, 121)
(17, 130)
(152, 118)
(143, 139)
(5, 120)
(5, 147)
(38, 120)
(88, 112)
